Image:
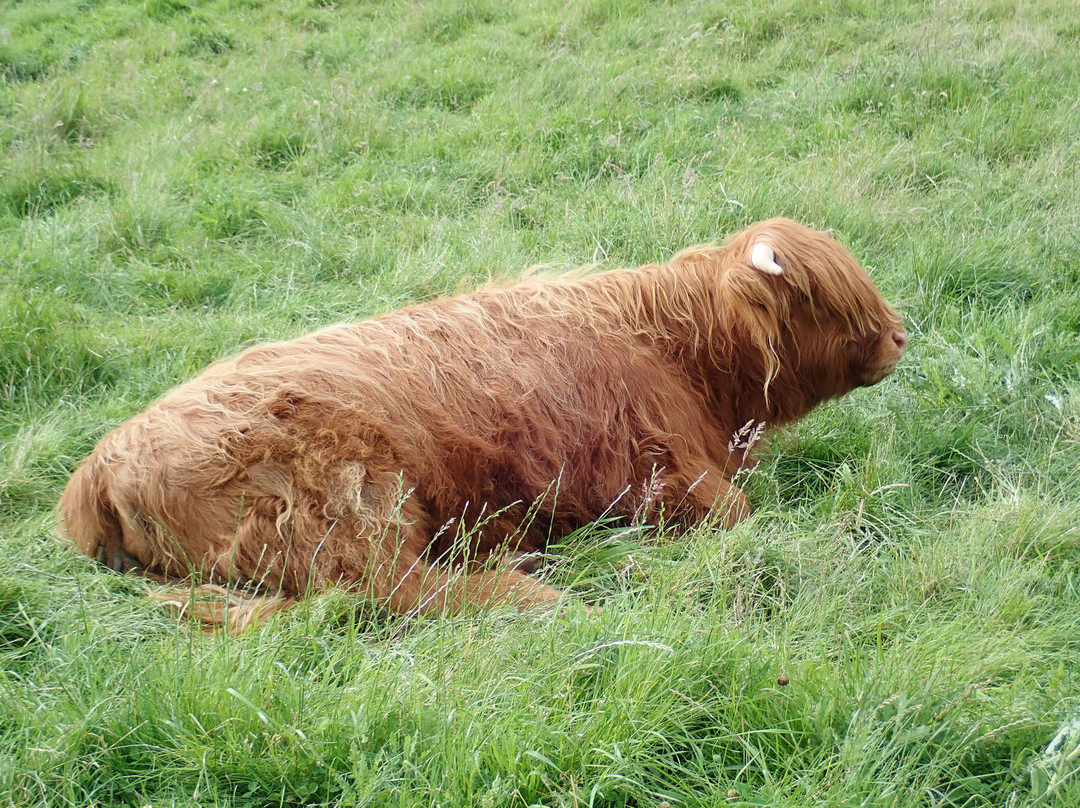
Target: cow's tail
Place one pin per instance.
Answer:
(89, 517)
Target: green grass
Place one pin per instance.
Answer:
(898, 625)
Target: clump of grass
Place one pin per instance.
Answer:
(44, 191)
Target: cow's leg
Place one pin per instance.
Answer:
(707, 496)
(415, 587)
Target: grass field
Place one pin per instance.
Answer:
(899, 623)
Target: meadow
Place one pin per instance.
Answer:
(899, 622)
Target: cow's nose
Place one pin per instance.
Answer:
(899, 337)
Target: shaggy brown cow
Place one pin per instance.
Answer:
(394, 456)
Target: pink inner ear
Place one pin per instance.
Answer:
(764, 258)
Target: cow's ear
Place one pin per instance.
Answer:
(763, 258)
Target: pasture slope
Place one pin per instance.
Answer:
(899, 623)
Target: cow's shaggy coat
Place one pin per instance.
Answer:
(394, 456)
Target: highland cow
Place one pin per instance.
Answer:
(399, 455)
